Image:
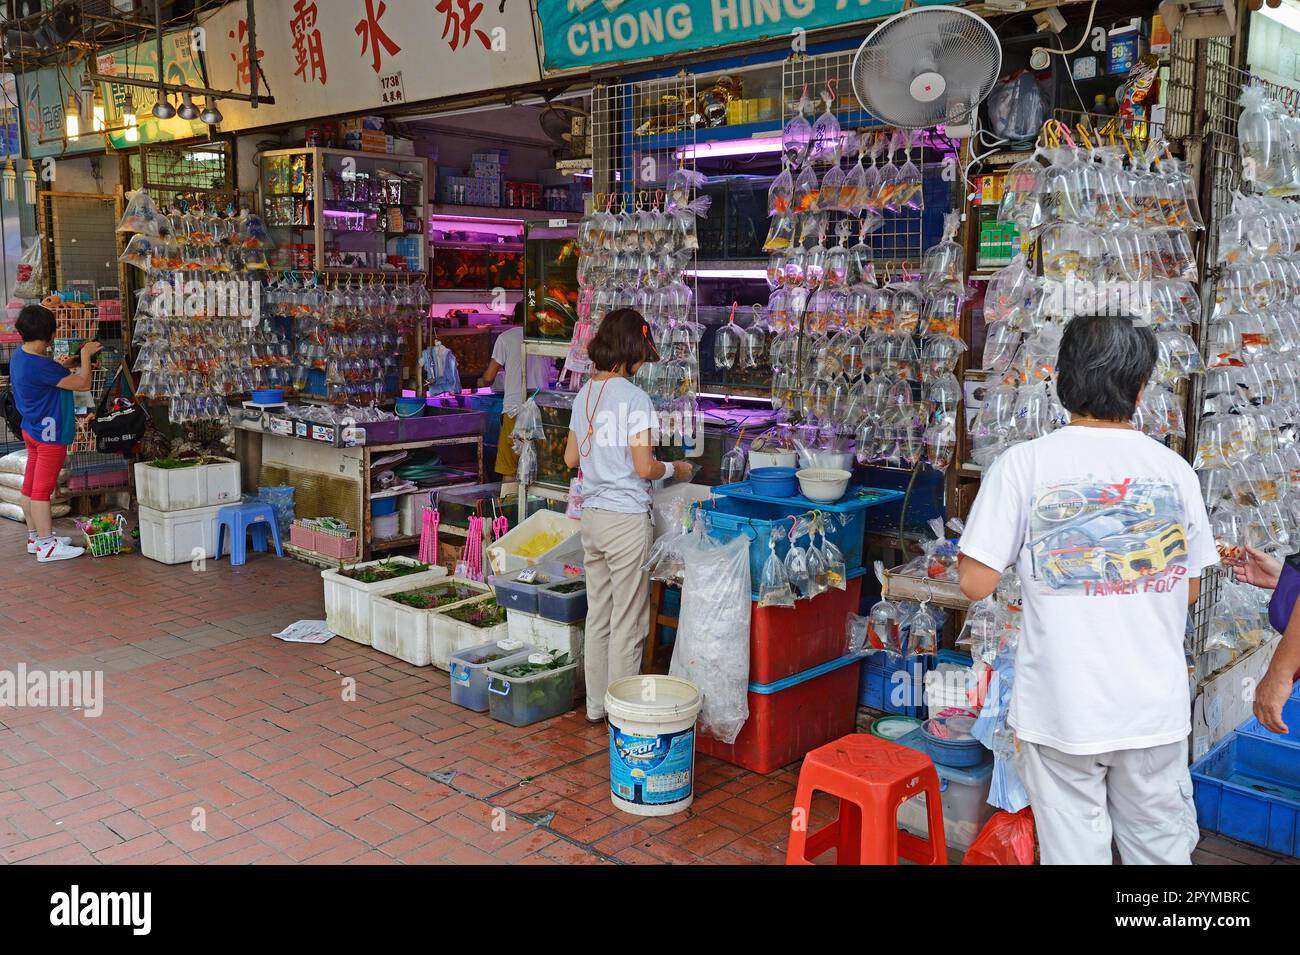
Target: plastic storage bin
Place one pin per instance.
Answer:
(784, 641)
(964, 793)
(1248, 788)
(402, 631)
(447, 635)
(1290, 716)
(521, 701)
(729, 516)
(515, 594)
(505, 559)
(564, 601)
(348, 609)
(895, 684)
(178, 537)
(791, 716)
(181, 489)
(469, 669)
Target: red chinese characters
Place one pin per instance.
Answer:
(243, 73)
(308, 51)
(459, 17)
(373, 36)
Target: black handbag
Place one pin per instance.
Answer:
(118, 429)
(13, 417)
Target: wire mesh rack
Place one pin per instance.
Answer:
(640, 134)
(192, 174)
(900, 240)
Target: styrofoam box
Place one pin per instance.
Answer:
(448, 635)
(178, 537)
(348, 607)
(402, 631)
(179, 489)
(505, 561)
(549, 635)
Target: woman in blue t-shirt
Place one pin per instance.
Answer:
(42, 390)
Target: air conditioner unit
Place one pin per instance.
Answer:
(1200, 18)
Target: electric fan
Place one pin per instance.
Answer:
(926, 66)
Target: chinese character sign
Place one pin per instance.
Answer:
(459, 17)
(373, 35)
(308, 51)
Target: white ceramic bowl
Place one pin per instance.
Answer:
(824, 485)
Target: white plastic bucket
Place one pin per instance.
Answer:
(652, 743)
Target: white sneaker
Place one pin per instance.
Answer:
(31, 543)
(58, 551)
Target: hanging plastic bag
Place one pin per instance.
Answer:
(665, 562)
(1016, 107)
(826, 131)
(796, 566)
(1007, 839)
(774, 586)
(923, 635)
(30, 274)
(712, 648)
(527, 467)
(943, 262)
(797, 135)
(139, 252)
(528, 422)
(836, 574)
(780, 195)
(140, 215)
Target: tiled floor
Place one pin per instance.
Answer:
(219, 743)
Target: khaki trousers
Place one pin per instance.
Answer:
(618, 596)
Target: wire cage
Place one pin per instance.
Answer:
(640, 134)
(190, 174)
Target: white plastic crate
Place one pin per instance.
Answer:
(178, 537)
(448, 635)
(402, 631)
(348, 607)
(550, 635)
(505, 560)
(179, 489)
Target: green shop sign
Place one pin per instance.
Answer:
(588, 33)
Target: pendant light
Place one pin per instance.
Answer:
(72, 120)
(29, 183)
(9, 179)
(97, 121)
(129, 118)
(163, 109)
(211, 115)
(85, 103)
(187, 109)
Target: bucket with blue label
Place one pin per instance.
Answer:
(652, 743)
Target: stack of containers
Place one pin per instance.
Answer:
(803, 689)
(179, 505)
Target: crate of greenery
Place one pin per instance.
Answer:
(537, 689)
(349, 589)
(401, 620)
(476, 621)
(179, 484)
(469, 669)
(563, 602)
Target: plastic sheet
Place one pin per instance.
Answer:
(712, 648)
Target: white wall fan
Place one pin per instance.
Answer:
(926, 66)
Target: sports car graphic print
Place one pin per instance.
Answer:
(1094, 539)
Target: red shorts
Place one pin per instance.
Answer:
(44, 462)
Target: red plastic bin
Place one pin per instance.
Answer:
(792, 716)
(784, 641)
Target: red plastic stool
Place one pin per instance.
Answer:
(871, 777)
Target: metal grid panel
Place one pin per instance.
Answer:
(1180, 88)
(640, 133)
(194, 173)
(898, 243)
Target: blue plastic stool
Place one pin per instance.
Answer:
(242, 519)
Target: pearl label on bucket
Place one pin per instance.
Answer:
(651, 770)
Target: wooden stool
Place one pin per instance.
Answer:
(871, 777)
(654, 658)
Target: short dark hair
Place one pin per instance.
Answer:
(1103, 363)
(35, 323)
(623, 339)
(519, 313)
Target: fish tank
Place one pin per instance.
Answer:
(550, 281)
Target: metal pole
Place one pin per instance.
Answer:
(176, 88)
(252, 56)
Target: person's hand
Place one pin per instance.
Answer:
(1256, 568)
(90, 349)
(1270, 696)
(682, 470)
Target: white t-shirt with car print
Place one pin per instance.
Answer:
(1106, 527)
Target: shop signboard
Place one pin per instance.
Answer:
(43, 95)
(582, 34)
(11, 143)
(324, 58)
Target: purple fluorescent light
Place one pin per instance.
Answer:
(707, 394)
(734, 147)
(727, 273)
(346, 213)
(441, 217)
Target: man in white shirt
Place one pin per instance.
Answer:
(507, 362)
(1109, 534)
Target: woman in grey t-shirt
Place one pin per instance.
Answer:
(611, 437)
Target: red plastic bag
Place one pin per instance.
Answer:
(1006, 839)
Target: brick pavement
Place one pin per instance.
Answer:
(219, 743)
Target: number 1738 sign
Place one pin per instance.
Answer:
(390, 89)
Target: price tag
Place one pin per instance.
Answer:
(527, 576)
(558, 223)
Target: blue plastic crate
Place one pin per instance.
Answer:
(729, 516)
(491, 406)
(894, 684)
(1248, 788)
(1290, 716)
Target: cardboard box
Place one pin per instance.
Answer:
(1160, 38)
(1224, 702)
(1123, 47)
